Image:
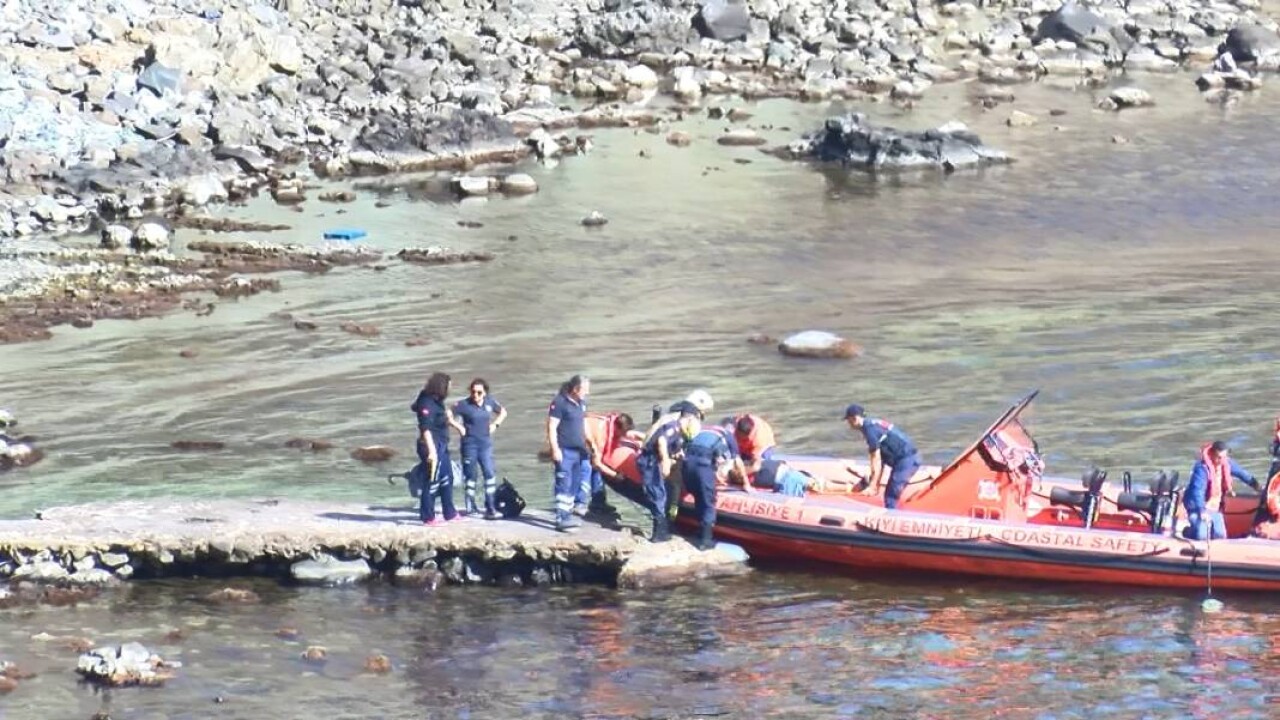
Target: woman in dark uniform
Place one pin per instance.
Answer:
(433, 449)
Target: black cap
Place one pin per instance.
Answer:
(854, 410)
(1218, 446)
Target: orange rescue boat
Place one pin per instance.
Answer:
(990, 512)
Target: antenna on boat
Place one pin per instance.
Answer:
(1210, 604)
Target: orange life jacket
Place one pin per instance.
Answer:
(1219, 476)
(600, 429)
(758, 440)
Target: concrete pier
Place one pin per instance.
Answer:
(334, 544)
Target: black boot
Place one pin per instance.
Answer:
(705, 541)
(661, 532)
(600, 504)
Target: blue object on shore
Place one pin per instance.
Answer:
(344, 234)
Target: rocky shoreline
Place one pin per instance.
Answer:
(110, 111)
(130, 118)
(327, 544)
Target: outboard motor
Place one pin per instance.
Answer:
(1158, 504)
(1088, 500)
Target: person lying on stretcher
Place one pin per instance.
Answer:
(777, 475)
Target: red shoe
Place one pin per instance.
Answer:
(433, 522)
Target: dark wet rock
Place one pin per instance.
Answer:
(269, 257)
(308, 444)
(197, 445)
(315, 654)
(329, 571)
(341, 196)
(305, 325)
(373, 454)
(1249, 42)
(595, 219)
(442, 256)
(679, 138)
(288, 633)
(818, 344)
(762, 339)
(124, 665)
(854, 142)
(223, 224)
(417, 341)
(456, 140)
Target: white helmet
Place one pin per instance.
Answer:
(701, 399)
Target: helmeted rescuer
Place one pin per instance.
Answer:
(433, 449)
(698, 402)
(890, 453)
(1208, 488)
(567, 438)
(712, 452)
(657, 460)
(478, 415)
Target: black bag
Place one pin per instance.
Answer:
(507, 501)
(416, 479)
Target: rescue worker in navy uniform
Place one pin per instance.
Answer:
(567, 438)
(711, 453)
(662, 447)
(433, 449)
(476, 417)
(889, 451)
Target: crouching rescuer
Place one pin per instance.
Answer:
(710, 455)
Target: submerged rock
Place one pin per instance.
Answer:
(818, 344)
(124, 665)
(854, 142)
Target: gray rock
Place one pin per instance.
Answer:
(1251, 43)
(128, 664)
(150, 237)
(113, 559)
(203, 189)
(854, 142)
(160, 79)
(1078, 25)
(1131, 97)
(249, 159)
(818, 344)
(330, 571)
(92, 576)
(46, 571)
(471, 185)
(723, 20)
(285, 55)
(519, 184)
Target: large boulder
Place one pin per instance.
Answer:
(1250, 43)
(1078, 25)
(150, 236)
(854, 142)
(818, 344)
(723, 20)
